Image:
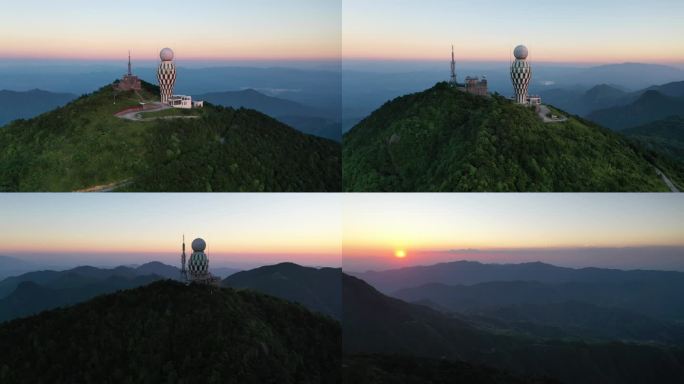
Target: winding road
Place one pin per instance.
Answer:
(670, 184)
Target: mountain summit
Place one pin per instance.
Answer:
(85, 146)
(167, 332)
(443, 139)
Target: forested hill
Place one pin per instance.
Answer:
(443, 139)
(168, 332)
(83, 145)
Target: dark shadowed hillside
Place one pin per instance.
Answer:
(395, 369)
(442, 139)
(170, 332)
(374, 323)
(317, 289)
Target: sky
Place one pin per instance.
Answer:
(579, 31)
(241, 230)
(196, 30)
(606, 230)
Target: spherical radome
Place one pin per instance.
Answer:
(520, 52)
(198, 245)
(166, 54)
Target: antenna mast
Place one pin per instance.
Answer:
(183, 272)
(130, 73)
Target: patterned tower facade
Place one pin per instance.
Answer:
(166, 74)
(521, 74)
(198, 266)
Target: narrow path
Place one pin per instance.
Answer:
(670, 184)
(106, 187)
(543, 110)
(136, 115)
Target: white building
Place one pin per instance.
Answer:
(184, 102)
(534, 100)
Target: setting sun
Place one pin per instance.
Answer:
(400, 253)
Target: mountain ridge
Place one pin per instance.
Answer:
(444, 140)
(83, 144)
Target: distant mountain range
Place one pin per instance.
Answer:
(307, 119)
(24, 105)
(615, 108)
(10, 266)
(375, 323)
(472, 272)
(167, 332)
(34, 292)
(651, 106)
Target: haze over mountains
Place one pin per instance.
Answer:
(515, 323)
(367, 85)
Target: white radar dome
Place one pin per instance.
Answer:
(198, 245)
(520, 52)
(166, 54)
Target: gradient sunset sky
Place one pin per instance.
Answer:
(196, 30)
(244, 230)
(615, 230)
(579, 31)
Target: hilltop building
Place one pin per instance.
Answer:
(521, 75)
(129, 82)
(476, 86)
(198, 266)
(473, 85)
(166, 74)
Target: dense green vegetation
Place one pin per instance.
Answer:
(663, 143)
(83, 144)
(446, 140)
(236, 150)
(396, 369)
(167, 332)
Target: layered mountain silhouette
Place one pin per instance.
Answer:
(34, 292)
(307, 119)
(171, 332)
(27, 104)
(83, 145)
(650, 106)
(318, 289)
(443, 139)
(375, 323)
(473, 272)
